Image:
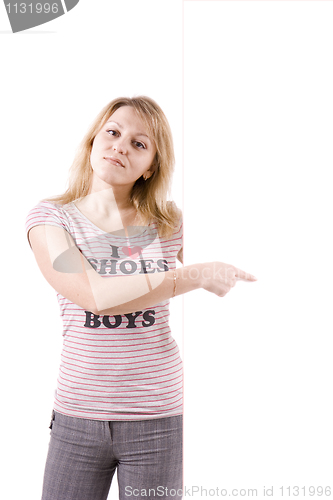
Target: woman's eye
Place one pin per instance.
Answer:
(139, 145)
(112, 132)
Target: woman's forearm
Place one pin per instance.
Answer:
(71, 275)
(133, 293)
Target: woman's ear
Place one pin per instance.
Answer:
(151, 170)
(148, 173)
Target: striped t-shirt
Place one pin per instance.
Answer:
(122, 367)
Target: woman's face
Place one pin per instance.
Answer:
(122, 150)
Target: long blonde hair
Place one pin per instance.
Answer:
(149, 197)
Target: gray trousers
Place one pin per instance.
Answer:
(84, 455)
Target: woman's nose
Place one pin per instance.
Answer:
(120, 147)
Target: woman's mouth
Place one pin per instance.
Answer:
(114, 161)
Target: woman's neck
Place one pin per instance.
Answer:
(106, 201)
(108, 211)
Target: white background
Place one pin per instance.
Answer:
(257, 193)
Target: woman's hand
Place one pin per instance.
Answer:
(219, 278)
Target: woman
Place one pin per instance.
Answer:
(118, 403)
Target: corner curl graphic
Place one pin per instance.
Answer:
(31, 13)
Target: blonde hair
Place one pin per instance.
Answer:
(149, 197)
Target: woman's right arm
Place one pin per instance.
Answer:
(71, 275)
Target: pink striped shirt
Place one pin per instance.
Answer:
(122, 367)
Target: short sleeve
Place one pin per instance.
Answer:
(48, 213)
(178, 235)
(181, 230)
(181, 251)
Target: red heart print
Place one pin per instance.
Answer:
(131, 251)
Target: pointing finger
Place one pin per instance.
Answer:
(242, 275)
